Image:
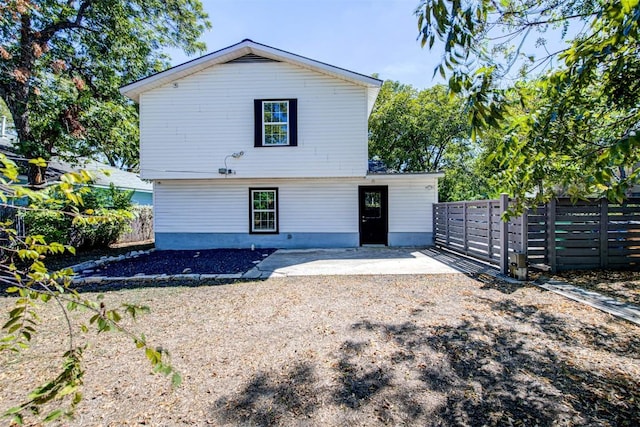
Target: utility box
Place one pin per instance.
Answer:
(518, 265)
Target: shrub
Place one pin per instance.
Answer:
(120, 199)
(104, 220)
(93, 233)
(99, 229)
(54, 226)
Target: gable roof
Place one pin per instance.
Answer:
(56, 167)
(104, 175)
(253, 49)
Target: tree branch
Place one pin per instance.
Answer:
(48, 32)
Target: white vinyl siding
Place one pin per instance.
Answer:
(304, 205)
(411, 206)
(204, 206)
(188, 127)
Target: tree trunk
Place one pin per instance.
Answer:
(17, 104)
(36, 175)
(16, 96)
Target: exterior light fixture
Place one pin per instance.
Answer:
(226, 171)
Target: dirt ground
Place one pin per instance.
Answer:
(358, 351)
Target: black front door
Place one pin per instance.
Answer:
(373, 214)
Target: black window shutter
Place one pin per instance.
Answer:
(257, 112)
(293, 122)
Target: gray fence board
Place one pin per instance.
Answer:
(560, 234)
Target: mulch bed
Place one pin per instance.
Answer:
(56, 262)
(212, 261)
(362, 350)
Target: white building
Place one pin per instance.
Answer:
(252, 145)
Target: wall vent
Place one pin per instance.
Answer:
(250, 58)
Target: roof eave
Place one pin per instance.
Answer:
(405, 175)
(133, 90)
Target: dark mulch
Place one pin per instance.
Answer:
(57, 262)
(212, 261)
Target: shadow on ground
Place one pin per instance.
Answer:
(520, 366)
(268, 399)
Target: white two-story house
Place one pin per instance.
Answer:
(252, 145)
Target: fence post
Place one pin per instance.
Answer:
(489, 228)
(504, 235)
(434, 223)
(464, 228)
(604, 231)
(551, 234)
(524, 231)
(446, 209)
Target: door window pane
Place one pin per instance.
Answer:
(372, 204)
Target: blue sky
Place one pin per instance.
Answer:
(366, 36)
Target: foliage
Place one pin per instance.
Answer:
(52, 225)
(62, 63)
(411, 130)
(465, 177)
(112, 224)
(426, 130)
(4, 111)
(111, 198)
(24, 275)
(102, 227)
(571, 130)
(105, 210)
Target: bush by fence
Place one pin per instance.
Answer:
(57, 227)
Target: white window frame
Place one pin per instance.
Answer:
(252, 211)
(265, 123)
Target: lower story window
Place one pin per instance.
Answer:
(263, 210)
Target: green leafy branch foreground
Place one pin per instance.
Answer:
(23, 274)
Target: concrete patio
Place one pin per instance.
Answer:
(363, 261)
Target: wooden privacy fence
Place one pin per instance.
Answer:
(476, 229)
(141, 226)
(560, 235)
(587, 234)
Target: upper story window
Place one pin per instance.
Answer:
(276, 122)
(275, 118)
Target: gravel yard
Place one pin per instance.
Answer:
(352, 350)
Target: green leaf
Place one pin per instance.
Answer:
(39, 162)
(153, 356)
(176, 379)
(54, 415)
(13, 410)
